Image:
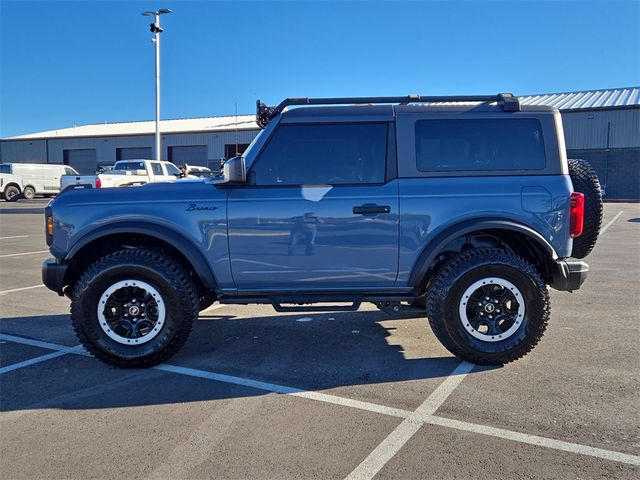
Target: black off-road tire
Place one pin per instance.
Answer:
(459, 273)
(166, 275)
(585, 180)
(11, 193)
(28, 193)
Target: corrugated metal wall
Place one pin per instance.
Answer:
(35, 151)
(25, 151)
(589, 129)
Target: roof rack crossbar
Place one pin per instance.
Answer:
(264, 113)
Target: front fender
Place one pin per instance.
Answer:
(184, 245)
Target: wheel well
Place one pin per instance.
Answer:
(12, 184)
(100, 247)
(517, 242)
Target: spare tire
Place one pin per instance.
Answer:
(585, 180)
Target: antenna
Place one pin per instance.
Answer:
(236, 121)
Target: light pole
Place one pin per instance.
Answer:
(156, 30)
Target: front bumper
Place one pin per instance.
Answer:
(53, 273)
(569, 274)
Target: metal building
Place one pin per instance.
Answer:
(197, 141)
(601, 126)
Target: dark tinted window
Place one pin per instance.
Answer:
(5, 168)
(324, 155)
(129, 166)
(481, 144)
(156, 168)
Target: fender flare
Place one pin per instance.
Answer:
(435, 246)
(185, 246)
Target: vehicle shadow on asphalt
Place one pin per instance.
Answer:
(306, 351)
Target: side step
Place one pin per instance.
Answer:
(308, 304)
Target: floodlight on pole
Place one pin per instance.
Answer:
(157, 30)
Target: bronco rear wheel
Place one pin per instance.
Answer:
(488, 306)
(134, 308)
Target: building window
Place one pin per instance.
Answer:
(191, 154)
(232, 150)
(134, 153)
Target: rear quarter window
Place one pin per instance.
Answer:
(479, 145)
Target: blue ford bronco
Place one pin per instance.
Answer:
(463, 208)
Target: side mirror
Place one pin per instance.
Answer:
(233, 171)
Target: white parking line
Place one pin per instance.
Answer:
(40, 344)
(32, 361)
(22, 254)
(535, 440)
(14, 236)
(604, 229)
(414, 420)
(391, 445)
(2, 292)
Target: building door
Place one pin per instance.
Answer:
(188, 154)
(84, 160)
(134, 153)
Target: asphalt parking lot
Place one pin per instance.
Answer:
(258, 394)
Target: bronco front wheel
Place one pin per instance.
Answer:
(134, 308)
(488, 306)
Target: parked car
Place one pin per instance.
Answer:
(195, 171)
(125, 173)
(465, 213)
(27, 180)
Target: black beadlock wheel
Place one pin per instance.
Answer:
(134, 308)
(488, 306)
(28, 193)
(585, 180)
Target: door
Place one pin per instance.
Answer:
(83, 160)
(134, 153)
(318, 212)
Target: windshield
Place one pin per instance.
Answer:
(172, 169)
(129, 166)
(258, 141)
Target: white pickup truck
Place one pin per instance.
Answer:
(125, 173)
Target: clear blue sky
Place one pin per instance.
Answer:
(66, 63)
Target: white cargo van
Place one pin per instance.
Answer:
(31, 179)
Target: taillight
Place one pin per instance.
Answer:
(98, 182)
(576, 214)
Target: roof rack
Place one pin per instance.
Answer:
(264, 113)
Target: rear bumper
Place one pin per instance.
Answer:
(53, 274)
(569, 274)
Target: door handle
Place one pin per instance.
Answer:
(371, 209)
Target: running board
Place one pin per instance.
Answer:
(308, 304)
